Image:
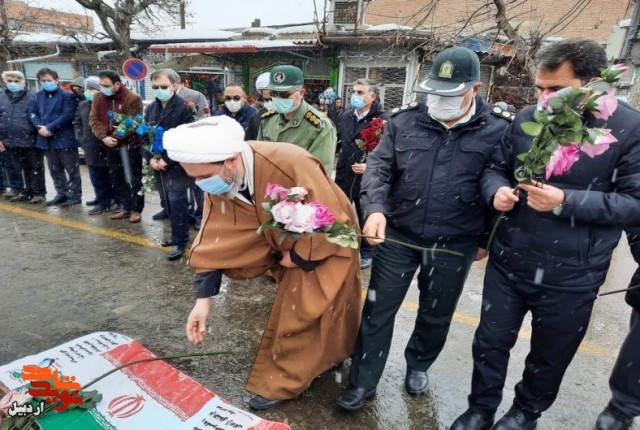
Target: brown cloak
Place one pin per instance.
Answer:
(315, 317)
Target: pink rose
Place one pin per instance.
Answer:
(562, 160)
(604, 138)
(302, 220)
(323, 217)
(607, 105)
(276, 191)
(620, 66)
(284, 211)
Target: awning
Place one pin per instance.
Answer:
(234, 47)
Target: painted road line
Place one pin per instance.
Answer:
(525, 333)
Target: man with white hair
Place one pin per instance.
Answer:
(18, 140)
(315, 316)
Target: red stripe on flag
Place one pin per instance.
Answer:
(171, 388)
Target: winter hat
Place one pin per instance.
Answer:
(92, 82)
(77, 82)
(209, 140)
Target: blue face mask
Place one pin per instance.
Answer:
(162, 95)
(357, 102)
(106, 91)
(213, 185)
(283, 106)
(49, 86)
(88, 95)
(14, 87)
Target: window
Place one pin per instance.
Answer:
(390, 80)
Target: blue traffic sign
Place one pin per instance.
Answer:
(135, 69)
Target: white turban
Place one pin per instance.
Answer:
(262, 82)
(209, 140)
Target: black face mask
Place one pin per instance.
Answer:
(79, 92)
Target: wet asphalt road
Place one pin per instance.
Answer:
(65, 274)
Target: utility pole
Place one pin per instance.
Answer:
(183, 21)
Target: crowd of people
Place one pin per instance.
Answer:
(441, 173)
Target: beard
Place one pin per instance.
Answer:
(236, 186)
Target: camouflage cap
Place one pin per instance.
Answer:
(454, 72)
(284, 78)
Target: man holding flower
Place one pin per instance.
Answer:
(314, 319)
(551, 252)
(422, 187)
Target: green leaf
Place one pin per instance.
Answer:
(522, 157)
(267, 206)
(556, 103)
(531, 128)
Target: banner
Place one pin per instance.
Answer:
(152, 395)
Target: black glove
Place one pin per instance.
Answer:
(632, 297)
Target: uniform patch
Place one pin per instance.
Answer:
(404, 108)
(509, 116)
(313, 119)
(269, 113)
(446, 70)
(279, 77)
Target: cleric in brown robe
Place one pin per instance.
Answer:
(314, 320)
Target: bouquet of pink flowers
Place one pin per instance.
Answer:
(559, 133)
(291, 212)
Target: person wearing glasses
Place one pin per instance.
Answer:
(294, 121)
(18, 140)
(236, 106)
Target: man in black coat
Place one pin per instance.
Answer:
(422, 187)
(625, 376)
(551, 253)
(352, 162)
(95, 153)
(18, 138)
(236, 106)
(166, 112)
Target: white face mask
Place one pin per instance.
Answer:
(445, 108)
(233, 106)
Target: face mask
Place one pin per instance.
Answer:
(233, 106)
(445, 108)
(88, 96)
(48, 86)
(268, 105)
(283, 106)
(14, 87)
(106, 91)
(214, 185)
(357, 102)
(163, 95)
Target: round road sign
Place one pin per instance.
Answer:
(135, 69)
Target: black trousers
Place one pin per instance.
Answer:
(559, 322)
(64, 167)
(440, 282)
(127, 191)
(625, 377)
(29, 163)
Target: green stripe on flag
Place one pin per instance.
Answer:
(76, 419)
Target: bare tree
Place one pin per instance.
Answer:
(10, 28)
(119, 17)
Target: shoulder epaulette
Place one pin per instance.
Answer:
(404, 108)
(270, 112)
(497, 111)
(313, 118)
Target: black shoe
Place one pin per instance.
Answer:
(613, 418)
(97, 210)
(416, 382)
(515, 419)
(353, 398)
(19, 198)
(176, 253)
(259, 403)
(71, 202)
(472, 420)
(166, 243)
(160, 215)
(93, 202)
(11, 193)
(37, 199)
(59, 198)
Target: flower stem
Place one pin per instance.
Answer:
(145, 360)
(416, 247)
(633, 287)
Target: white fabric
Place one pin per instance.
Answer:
(209, 140)
(262, 82)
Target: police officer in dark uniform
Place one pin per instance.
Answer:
(625, 377)
(422, 187)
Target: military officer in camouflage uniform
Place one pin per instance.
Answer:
(292, 120)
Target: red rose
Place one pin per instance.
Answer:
(370, 146)
(368, 135)
(206, 111)
(376, 124)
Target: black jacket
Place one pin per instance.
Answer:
(426, 179)
(95, 153)
(16, 130)
(251, 132)
(570, 251)
(173, 178)
(349, 128)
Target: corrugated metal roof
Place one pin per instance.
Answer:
(235, 46)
